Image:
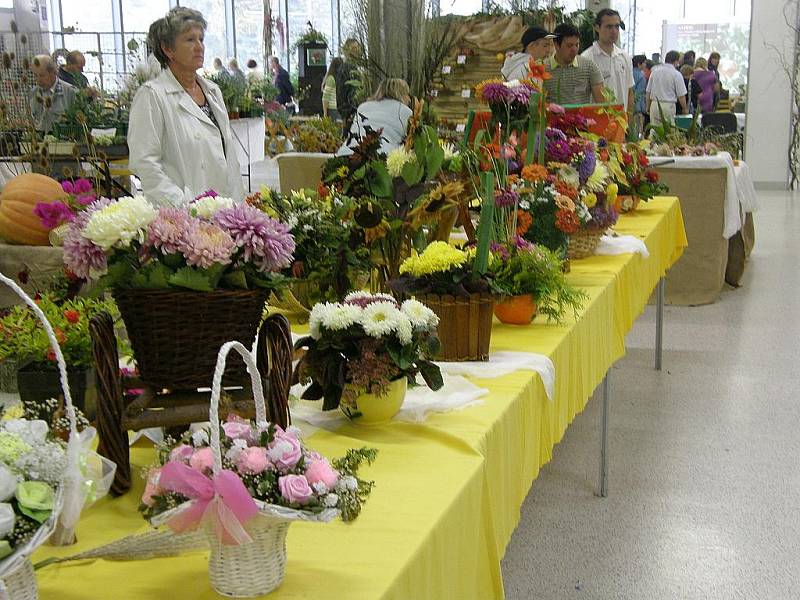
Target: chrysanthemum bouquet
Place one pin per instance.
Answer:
(441, 269)
(267, 466)
(519, 268)
(363, 344)
(208, 244)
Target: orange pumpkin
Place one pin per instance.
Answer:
(18, 223)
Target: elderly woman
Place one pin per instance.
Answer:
(179, 136)
(387, 110)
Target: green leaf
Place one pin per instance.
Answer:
(412, 172)
(379, 182)
(435, 158)
(485, 228)
(236, 279)
(431, 374)
(192, 279)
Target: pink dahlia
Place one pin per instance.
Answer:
(81, 256)
(264, 241)
(53, 214)
(168, 229)
(205, 244)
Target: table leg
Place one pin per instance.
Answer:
(659, 322)
(602, 486)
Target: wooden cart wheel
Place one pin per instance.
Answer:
(274, 357)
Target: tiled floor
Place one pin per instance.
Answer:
(704, 478)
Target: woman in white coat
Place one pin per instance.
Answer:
(179, 136)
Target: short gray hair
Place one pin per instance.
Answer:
(165, 30)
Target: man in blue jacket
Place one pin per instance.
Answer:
(280, 79)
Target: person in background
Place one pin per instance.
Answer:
(353, 54)
(703, 86)
(51, 96)
(254, 75)
(537, 43)
(648, 68)
(614, 64)
(639, 90)
(689, 58)
(573, 79)
(72, 71)
(281, 80)
(219, 69)
(179, 136)
(713, 66)
(686, 73)
(235, 71)
(388, 110)
(664, 88)
(329, 89)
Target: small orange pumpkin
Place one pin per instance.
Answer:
(18, 223)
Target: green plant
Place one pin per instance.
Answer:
(317, 135)
(521, 268)
(23, 339)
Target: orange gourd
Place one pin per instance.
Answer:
(18, 223)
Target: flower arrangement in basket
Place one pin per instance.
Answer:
(361, 353)
(185, 279)
(530, 280)
(636, 180)
(245, 482)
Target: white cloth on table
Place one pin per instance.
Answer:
(456, 394)
(723, 160)
(248, 140)
(503, 363)
(744, 187)
(621, 244)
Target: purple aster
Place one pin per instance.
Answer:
(586, 167)
(603, 217)
(53, 214)
(205, 245)
(264, 241)
(505, 197)
(558, 151)
(554, 134)
(500, 250)
(81, 256)
(67, 186)
(167, 231)
(495, 92)
(82, 186)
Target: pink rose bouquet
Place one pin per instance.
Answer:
(273, 465)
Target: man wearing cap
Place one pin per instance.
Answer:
(614, 64)
(573, 79)
(537, 43)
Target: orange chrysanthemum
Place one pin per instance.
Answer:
(534, 172)
(513, 178)
(566, 189)
(524, 222)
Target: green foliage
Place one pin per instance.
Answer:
(321, 134)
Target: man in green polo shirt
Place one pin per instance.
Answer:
(573, 79)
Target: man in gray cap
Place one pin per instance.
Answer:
(537, 43)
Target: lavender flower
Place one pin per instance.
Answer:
(264, 241)
(522, 244)
(505, 197)
(500, 250)
(519, 93)
(205, 244)
(167, 231)
(81, 256)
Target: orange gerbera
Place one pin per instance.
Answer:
(534, 172)
(524, 222)
(566, 189)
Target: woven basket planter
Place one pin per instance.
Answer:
(583, 243)
(20, 583)
(176, 334)
(252, 569)
(465, 325)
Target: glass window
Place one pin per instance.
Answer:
(460, 7)
(301, 13)
(214, 13)
(75, 14)
(249, 15)
(138, 14)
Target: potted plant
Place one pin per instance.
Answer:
(361, 354)
(22, 339)
(185, 279)
(529, 279)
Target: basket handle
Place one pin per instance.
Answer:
(216, 389)
(71, 480)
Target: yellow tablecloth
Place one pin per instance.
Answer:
(448, 491)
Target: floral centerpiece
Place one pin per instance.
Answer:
(186, 279)
(366, 349)
(530, 279)
(636, 180)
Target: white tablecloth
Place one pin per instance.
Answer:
(744, 187)
(249, 137)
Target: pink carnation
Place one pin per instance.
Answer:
(238, 430)
(53, 214)
(205, 244)
(252, 460)
(295, 489)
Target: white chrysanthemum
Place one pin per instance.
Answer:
(420, 315)
(206, 207)
(397, 159)
(597, 180)
(120, 223)
(380, 319)
(320, 488)
(341, 316)
(318, 314)
(450, 151)
(404, 329)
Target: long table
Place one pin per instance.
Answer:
(448, 491)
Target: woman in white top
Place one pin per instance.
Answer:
(387, 110)
(179, 136)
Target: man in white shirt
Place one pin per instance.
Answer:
(615, 65)
(664, 88)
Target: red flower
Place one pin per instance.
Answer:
(635, 181)
(567, 221)
(627, 158)
(51, 355)
(60, 337)
(652, 176)
(604, 155)
(643, 160)
(73, 316)
(322, 190)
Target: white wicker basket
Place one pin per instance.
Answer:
(255, 568)
(17, 580)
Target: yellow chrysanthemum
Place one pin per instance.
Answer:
(438, 257)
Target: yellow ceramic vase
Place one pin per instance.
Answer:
(370, 409)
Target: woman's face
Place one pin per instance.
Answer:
(189, 51)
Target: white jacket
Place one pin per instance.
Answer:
(175, 149)
(516, 66)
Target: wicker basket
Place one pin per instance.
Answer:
(583, 243)
(465, 325)
(20, 584)
(176, 334)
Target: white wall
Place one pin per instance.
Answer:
(768, 92)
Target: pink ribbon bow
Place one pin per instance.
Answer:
(223, 500)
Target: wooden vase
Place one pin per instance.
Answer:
(465, 325)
